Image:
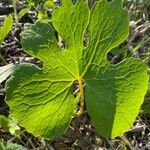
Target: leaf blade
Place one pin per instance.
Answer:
(108, 28)
(5, 29)
(117, 96)
(32, 104)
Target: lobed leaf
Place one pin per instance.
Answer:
(42, 100)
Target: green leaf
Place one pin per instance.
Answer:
(11, 146)
(42, 100)
(116, 94)
(49, 4)
(6, 71)
(46, 110)
(22, 12)
(5, 29)
(14, 129)
(9, 125)
(4, 122)
(2, 146)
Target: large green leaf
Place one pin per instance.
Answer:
(42, 99)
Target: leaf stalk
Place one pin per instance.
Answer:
(81, 110)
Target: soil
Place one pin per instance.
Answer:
(81, 134)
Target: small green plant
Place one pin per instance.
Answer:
(41, 6)
(10, 146)
(4, 122)
(9, 125)
(4, 30)
(42, 100)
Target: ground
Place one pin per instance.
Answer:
(81, 135)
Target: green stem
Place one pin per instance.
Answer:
(15, 12)
(145, 39)
(1, 57)
(81, 110)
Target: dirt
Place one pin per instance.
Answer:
(81, 134)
